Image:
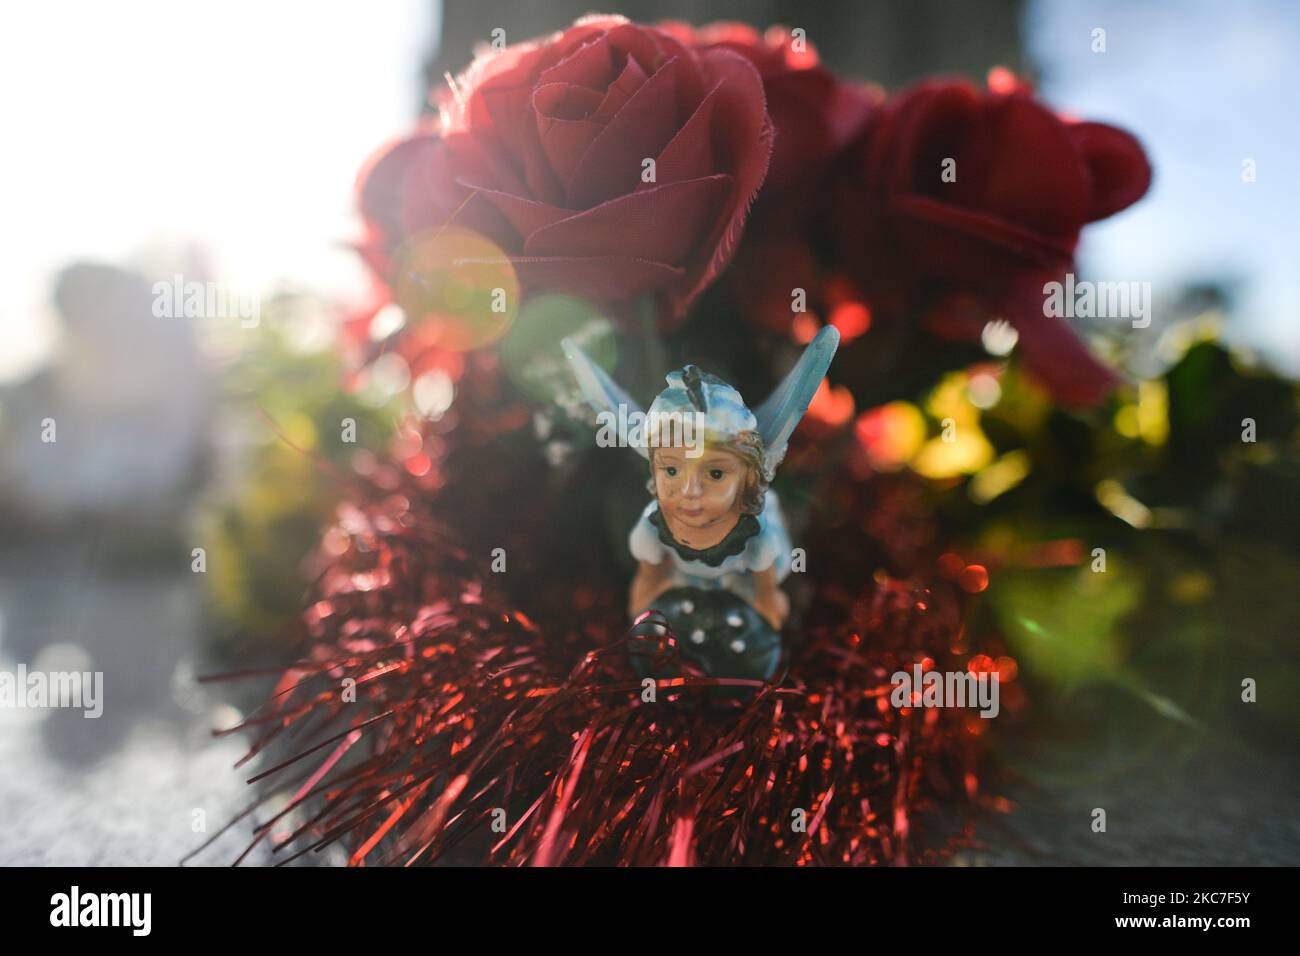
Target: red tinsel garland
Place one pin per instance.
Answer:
(437, 720)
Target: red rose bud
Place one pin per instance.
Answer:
(953, 195)
(609, 161)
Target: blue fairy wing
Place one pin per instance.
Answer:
(778, 416)
(604, 396)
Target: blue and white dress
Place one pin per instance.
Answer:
(758, 542)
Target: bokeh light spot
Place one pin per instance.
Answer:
(852, 319)
(432, 394)
(973, 578)
(999, 337)
(891, 434)
(458, 290)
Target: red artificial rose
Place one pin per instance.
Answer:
(981, 246)
(814, 114)
(541, 147)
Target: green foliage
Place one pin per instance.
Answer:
(263, 527)
(1062, 624)
(1200, 533)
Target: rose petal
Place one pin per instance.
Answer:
(1120, 170)
(689, 154)
(513, 125)
(612, 165)
(565, 102)
(621, 90)
(927, 125)
(745, 135)
(661, 225)
(1050, 350)
(564, 131)
(595, 278)
(525, 215)
(591, 65)
(1020, 164)
(516, 68)
(487, 159)
(380, 184)
(954, 243)
(650, 47)
(433, 196)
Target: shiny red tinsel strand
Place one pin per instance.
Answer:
(439, 716)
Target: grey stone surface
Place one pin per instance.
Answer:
(123, 788)
(1223, 805)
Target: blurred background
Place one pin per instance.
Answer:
(220, 141)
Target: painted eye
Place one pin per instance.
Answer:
(716, 474)
(670, 471)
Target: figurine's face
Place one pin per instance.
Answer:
(702, 492)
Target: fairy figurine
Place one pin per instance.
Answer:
(711, 546)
